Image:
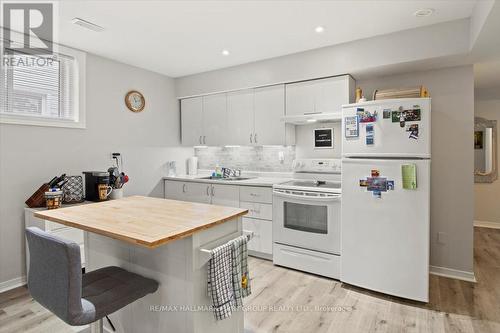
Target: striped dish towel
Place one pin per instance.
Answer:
(228, 279)
(220, 281)
(241, 279)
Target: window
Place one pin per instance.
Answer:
(36, 90)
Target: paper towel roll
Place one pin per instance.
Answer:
(192, 165)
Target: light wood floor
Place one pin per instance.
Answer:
(285, 300)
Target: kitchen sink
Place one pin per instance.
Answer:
(227, 178)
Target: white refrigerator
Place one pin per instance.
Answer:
(386, 148)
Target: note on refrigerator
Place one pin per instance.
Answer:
(409, 173)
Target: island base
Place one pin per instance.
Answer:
(181, 303)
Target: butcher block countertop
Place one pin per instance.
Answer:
(145, 221)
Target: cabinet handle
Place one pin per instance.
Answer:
(250, 137)
(204, 141)
(183, 188)
(213, 191)
(255, 137)
(208, 188)
(200, 140)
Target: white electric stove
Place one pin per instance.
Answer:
(306, 223)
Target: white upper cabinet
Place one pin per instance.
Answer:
(269, 109)
(246, 117)
(319, 96)
(240, 118)
(214, 119)
(300, 98)
(192, 121)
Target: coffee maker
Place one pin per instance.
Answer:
(97, 185)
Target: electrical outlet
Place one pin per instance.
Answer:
(442, 238)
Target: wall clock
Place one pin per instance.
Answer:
(135, 101)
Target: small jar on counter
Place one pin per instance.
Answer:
(53, 199)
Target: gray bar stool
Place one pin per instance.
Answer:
(55, 280)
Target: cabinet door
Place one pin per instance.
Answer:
(214, 119)
(175, 190)
(266, 236)
(197, 192)
(269, 108)
(192, 121)
(300, 98)
(249, 224)
(262, 240)
(187, 191)
(331, 93)
(226, 195)
(240, 118)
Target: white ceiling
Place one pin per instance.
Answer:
(179, 38)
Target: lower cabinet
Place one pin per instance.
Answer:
(225, 195)
(187, 191)
(258, 201)
(262, 242)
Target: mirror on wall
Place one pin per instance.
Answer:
(485, 150)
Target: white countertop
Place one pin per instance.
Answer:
(265, 179)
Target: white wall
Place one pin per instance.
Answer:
(486, 194)
(32, 155)
(452, 92)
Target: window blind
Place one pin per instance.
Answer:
(33, 86)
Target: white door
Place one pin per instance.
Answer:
(385, 237)
(192, 121)
(300, 98)
(390, 137)
(269, 108)
(225, 195)
(331, 93)
(240, 118)
(214, 119)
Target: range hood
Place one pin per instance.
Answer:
(312, 118)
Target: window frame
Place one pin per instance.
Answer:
(78, 93)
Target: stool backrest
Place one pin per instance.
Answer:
(55, 273)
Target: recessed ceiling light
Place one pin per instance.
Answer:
(311, 120)
(225, 52)
(319, 29)
(87, 24)
(424, 12)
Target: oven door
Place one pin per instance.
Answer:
(307, 219)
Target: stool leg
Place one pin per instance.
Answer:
(96, 327)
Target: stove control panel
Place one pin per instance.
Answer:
(317, 165)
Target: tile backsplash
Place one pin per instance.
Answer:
(247, 158)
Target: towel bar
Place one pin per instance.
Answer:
(206, 254)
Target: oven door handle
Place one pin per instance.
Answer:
(305, 197)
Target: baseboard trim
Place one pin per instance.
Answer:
(452, 273)
(487, 224)
(11, 284)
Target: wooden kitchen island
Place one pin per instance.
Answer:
(160, 239)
